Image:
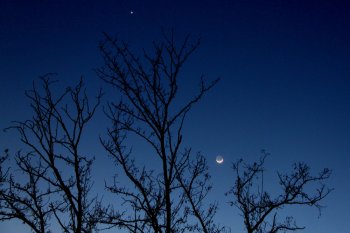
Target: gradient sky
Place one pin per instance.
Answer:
(285, 81)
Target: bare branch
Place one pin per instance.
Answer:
(165, 198)
(260, 210)
(52, 137)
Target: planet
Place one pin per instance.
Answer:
(219, 159)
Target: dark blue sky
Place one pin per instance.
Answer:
(284, 68)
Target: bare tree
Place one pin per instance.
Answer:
(260, 211)
(52, 179)
(171, 198)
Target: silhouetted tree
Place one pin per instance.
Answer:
(170, 198)
(52, 179)
(260, 210)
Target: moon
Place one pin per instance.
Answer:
(219, 159)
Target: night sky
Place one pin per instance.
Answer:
(285, 82)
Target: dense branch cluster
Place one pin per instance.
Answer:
(52, 138)
(259, 209)
(164, 198)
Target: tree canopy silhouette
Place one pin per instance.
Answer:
(170, 198)
(257, 206)
(51, 180)
(57, 178)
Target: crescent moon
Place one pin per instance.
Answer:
(219, 159)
